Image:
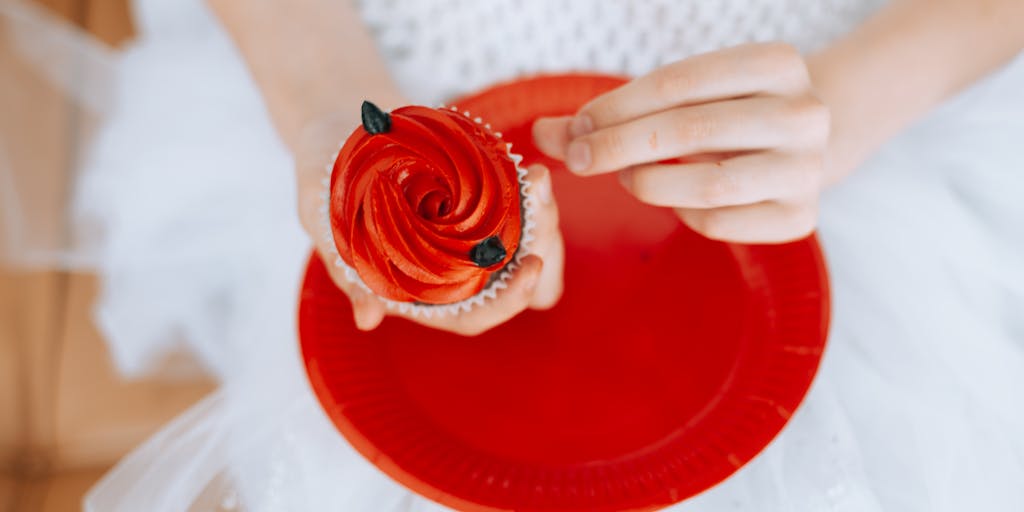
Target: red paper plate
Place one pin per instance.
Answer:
(670, 362)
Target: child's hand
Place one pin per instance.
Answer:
(536, 284)
(745, 123)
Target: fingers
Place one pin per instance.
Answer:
(313, 216)
(512, 300)
(743, 130)
(508, 303)
(766, 222)
(551, 136)
(550, 285)
(545, 212)
(547, 238)
(367, 310)
(746, 179)
(745, 70)
(744, 98)
(746, 124)
(317, 148)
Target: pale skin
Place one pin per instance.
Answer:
(753, 133)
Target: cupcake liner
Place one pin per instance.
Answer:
(498, 281)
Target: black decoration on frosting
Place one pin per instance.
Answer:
(375, 120)
(488, 252)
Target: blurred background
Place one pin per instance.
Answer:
(65, 415)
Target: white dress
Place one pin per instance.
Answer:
(919, 404)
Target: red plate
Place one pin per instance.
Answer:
(670, 361)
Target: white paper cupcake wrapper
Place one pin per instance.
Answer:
(499, 280)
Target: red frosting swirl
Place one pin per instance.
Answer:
(408, 205)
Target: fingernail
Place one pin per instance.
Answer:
(580, 126)
(578, 157)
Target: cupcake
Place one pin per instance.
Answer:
(427, 209)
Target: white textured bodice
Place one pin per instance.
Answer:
(438, 49)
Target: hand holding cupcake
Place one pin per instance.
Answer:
(429, 216)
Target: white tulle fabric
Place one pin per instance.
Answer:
(918, 405)
(47, 70)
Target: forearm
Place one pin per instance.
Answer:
(310, 58)
(903, 62)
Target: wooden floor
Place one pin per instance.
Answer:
(65, 416)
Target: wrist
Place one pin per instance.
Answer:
(842, 150)
(319, 105)
(309, 58)
(901, 63)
